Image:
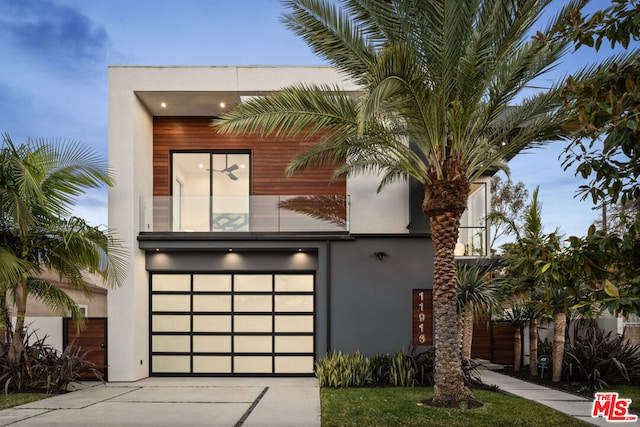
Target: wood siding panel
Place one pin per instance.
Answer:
(269, 157)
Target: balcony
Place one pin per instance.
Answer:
(235, 214)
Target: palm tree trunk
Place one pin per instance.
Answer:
(467, 332)
(449, 388)
(559, 326)
(533, 347)
(461, 327)
(517, 349)
(16, 347)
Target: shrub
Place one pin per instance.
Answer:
(43, 367)
(401, 369)
(338, 370)
(401, 373)
(601, 359)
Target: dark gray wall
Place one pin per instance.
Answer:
(370, 298)
(362, 302)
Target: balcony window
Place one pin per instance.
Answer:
(210, 191)
(473, 228)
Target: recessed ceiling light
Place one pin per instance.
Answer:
(163, 104)
(222, 105)
(200, 165)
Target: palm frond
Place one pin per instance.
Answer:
(54, 298)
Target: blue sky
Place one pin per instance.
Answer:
(55, 54)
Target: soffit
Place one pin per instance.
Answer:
(192, 103)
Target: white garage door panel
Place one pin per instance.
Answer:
(225, 324)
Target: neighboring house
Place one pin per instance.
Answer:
(236, 269)
(43, 322)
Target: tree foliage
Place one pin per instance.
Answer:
(508, 200)
(605, 107)
(39, 181)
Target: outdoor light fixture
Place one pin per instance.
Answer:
(380, 255)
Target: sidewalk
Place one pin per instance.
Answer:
(570, 404)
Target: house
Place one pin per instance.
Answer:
(42, 322)
(236, 269)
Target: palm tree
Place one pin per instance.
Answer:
(524, 279)
(38, 184)
(436, 80)
(476, 296)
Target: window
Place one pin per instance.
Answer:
(210, 191)
(473, 227)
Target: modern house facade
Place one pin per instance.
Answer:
(237, 269)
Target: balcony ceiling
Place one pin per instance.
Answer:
(191, 103)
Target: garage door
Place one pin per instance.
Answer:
(232, 324)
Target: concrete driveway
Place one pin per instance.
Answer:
(178, 402)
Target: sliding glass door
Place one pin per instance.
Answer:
(211, 191)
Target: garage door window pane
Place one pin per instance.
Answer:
(252, 283)
(294, 283)
(173, 344)
(160, 323)
(177, 303)
(212, 282)
(213, 344)
(294, 344)
(256, 344)
(294, 324)
(211, 323)
(252, 323)
(252, 364)
(294, 364)
(294, 303)
(244, 303)
(211, 303)
(171, 364)
(212, 364)
(171, 282)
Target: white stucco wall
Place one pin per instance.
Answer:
(49, 328)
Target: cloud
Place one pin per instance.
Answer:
(52, 34)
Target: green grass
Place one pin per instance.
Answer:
(628, 392)
(396, 406)
(15, 399)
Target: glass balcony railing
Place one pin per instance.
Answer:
(245, 214)
(472, 242)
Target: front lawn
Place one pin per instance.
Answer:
(627, 391)
(16, 399)
(398, 406)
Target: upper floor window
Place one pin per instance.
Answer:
(473, 227)
(210, 191)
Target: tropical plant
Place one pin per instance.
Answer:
(436, 81)
(43, 367)
(601, 359)
(39, 182)
(476, 296)
(523, 280)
